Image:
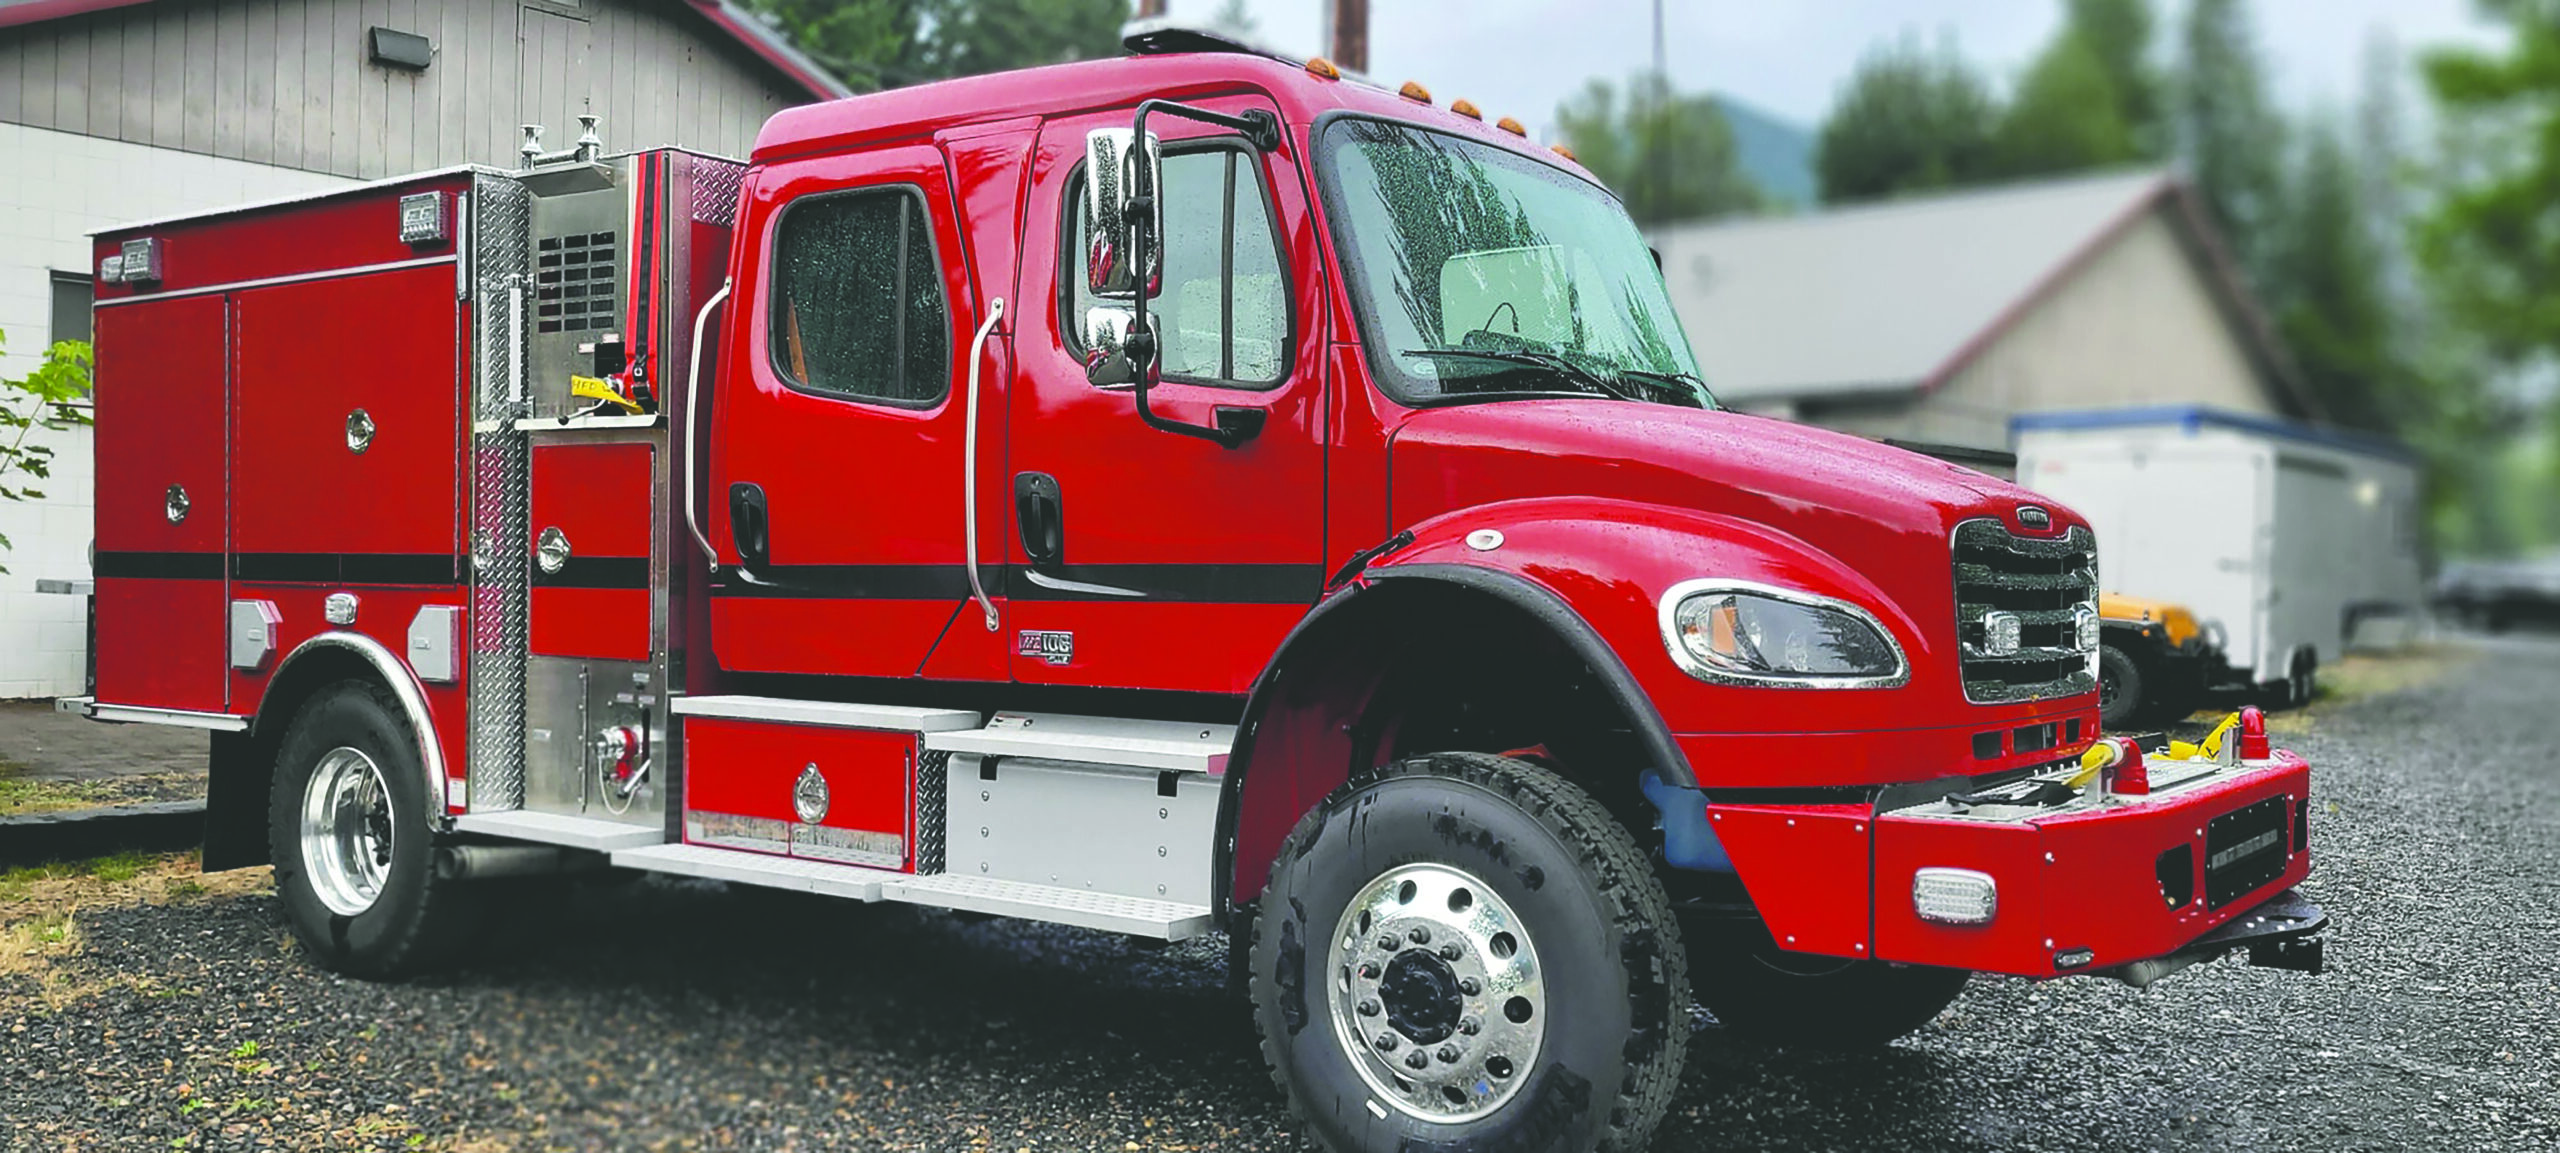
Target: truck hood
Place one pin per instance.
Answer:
(1840, 493)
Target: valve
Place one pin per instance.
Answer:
(621, 758)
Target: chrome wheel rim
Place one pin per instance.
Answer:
(1436, 995)
(346, 831)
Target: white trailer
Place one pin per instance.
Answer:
(2290, 542)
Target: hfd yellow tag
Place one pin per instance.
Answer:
(596, 389)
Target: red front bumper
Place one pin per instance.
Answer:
(2079, 888)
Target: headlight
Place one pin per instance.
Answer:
(1738, 632)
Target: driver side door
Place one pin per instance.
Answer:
(1145, 559)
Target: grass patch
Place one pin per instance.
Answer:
(40, 937)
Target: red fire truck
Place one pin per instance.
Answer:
(1181, 493)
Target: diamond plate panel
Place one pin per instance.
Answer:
(715, 190)
(926, 785)
(501, 569)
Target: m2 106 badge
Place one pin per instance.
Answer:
(1056, 648)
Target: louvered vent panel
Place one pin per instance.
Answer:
(574, 286)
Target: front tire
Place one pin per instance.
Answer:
(1467, 951)
(354, 852)
(1762, 992)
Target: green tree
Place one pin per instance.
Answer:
(2118, 33)
(1908, 119)
(1669, 155)
(2066, 116)
(875, 44)
(2325, 278)
(41, 401)
(2225, 129)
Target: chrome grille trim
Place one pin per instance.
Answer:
(2044, 581)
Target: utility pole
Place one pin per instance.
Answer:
(1350, 25)
(1659, 122)
(1150, 8)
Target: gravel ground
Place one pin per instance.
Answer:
(157, 1013)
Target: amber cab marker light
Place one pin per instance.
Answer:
(1565, 152)
(1416, 92)
(1319, 66)
(1511, 126)
(1465, 108)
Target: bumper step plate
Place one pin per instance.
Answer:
(1138, 917)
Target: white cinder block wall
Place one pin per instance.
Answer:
(56, 188)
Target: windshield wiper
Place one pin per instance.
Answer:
(1682, 387)
(1559, 365)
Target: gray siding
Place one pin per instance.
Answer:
(287, 82)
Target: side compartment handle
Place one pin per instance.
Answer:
(693, 388)
(969, 460)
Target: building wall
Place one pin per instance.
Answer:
(55, 187)
(2138, 324)
(290, 83)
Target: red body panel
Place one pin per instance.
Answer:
(1806, 869)
(299, 489)
(383, 613)
(747, 768)
(598, 495)
(163, 377)
(352, 230)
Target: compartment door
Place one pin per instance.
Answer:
(163, 382)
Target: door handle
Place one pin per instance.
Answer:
(749, 525)
(1042, 518)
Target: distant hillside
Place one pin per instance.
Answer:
(1778, 156)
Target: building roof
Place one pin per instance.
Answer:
(732, 19)
(2189, 418)
(1898, 296)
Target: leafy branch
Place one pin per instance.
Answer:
(43, 399)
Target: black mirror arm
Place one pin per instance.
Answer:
(1236, 424)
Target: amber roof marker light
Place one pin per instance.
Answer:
(1511, 126)
(1319, 66)
(1466, 108)
(1414, 92)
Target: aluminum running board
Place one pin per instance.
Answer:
(1138, 917)
(557, 829)
(1154, 746)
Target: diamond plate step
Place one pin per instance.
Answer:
(556, 829)
(1163, 920)
(772, 872)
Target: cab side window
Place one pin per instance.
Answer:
(1223, 311)
(857, 307)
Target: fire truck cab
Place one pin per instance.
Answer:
(1181, 493)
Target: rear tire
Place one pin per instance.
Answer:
(1401, 898)
(1798, 999)
(2119, 689)
(350, 834)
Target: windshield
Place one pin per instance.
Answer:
(1480, 274)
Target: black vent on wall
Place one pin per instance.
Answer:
(573, 283)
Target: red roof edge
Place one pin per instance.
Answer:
(769, 45)
(39, 11)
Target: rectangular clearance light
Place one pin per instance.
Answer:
(1954, 896)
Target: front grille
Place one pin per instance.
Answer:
(574, 285)
(2045, 583)
(2244, 849)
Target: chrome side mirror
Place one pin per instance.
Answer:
(1117, 205)
(1106, 342)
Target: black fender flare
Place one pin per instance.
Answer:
(1542, 606)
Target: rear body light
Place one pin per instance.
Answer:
(1954, 896)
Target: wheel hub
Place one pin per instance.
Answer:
(347, 831)
(1437, 997)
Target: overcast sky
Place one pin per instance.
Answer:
(1520, 57)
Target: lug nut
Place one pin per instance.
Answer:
(1417, 1060)
(1450, 951)
(1421, 935)
(1387, 941)
(1386, 1042)
(1368, 970)
(1448, 1054)
(1369, 1007)
(1470, 1026)
(1469, 986)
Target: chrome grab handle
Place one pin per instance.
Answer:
(969, 460)
(693, 388)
